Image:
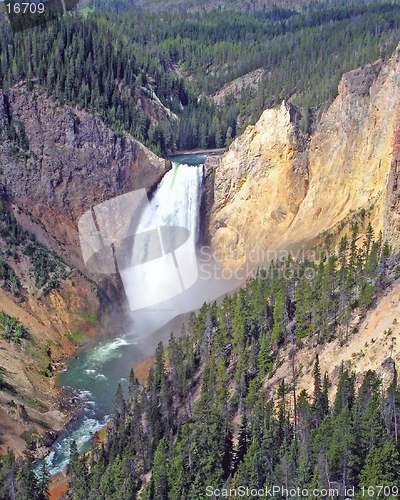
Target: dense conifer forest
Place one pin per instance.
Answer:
(180, 426)
(104, 61)
(207, 387)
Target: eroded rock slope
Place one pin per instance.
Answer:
(273, 190)
(56, 163)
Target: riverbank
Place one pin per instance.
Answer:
(91, 383)
(33, 407)
(59, 483)
(33, 410)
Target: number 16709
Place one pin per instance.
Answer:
(24, 8)
(379, 491)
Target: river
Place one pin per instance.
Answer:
(93, 377)
(94, 374)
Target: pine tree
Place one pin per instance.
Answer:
(264, 355)
(119, 407)
(303, 299)
(367, 243)
(392, 405)
(159, 367)
(345, 394)
(316, 481)
(43, 482)
(320, 399)
(341, 455)
(78, 484)
(382, 466)
(280, 318)
(207, 449)
(243, 440)
(134, 384)
(252, 472)
(160, 471)
(221, 388)
(325, 395)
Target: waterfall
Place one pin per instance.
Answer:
(177, 199)
(159, 254)
(160, 261)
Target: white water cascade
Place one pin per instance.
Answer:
(177, 199)
(162, 263)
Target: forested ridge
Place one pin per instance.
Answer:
(207, 387)
(104, 62)
(179, 6)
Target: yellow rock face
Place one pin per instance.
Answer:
(272, 192)
(259, 185)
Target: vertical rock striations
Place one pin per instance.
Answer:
(260, 183)
(74, 162)
(56, 162)
(273, 192)
(392, 209)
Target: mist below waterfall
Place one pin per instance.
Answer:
(175, 203)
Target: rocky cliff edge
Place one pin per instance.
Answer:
(275, 190)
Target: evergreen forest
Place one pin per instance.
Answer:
(106, 61)
(204, 417)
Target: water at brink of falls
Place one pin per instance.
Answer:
(94, 375)
(177, 199)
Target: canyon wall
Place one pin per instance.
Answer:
(71, 162)
(75, 162)
(276, 191)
